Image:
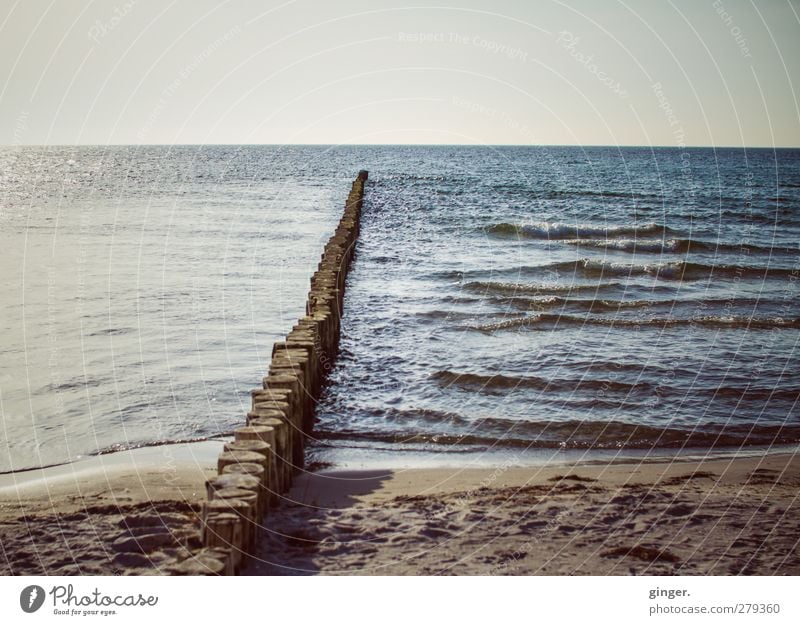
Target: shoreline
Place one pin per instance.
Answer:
(147, 457)
(345, 457)
(204, 452)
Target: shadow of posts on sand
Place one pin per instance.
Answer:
(292, 534)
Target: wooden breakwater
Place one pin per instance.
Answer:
(268, 450)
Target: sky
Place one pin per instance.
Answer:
(577, 72)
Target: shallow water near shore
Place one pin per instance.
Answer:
(504, 301)
(531, 299)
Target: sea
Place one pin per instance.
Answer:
(506, 303)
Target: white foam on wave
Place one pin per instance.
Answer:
(559, 230)
(653, 246)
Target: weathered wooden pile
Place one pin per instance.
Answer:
(257, 467)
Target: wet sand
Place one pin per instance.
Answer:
(130, 512)
(687, 517)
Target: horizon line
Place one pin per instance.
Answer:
(451, 145)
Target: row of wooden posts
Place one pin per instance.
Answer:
(258, 466)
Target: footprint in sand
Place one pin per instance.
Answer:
(435, 532)
(680, 509)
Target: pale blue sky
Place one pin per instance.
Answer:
(584, 72)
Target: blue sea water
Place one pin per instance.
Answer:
(502, 297)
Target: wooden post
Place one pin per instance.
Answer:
(224, 530)
(265, 434)
(293, 381)
(237, 457)
(252, 521)
(232, 480)
(243, 510)
(266, 394)
(259, 447)
(282, 450)
(248, 468)
(242, 482)
(265, 413)
(269, 410)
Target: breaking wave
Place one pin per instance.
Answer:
(678, 246)
(679, 270)
(558, 231)
(554, 322)
(502, 433)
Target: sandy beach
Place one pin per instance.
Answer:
(129, 512)
(694, 517)
(134, 512)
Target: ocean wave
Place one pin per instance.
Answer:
(524, 187)
(597, 305)
(497, 383)
(443, 314)
(502, 433)
(588, 305)
(772, 218)
(500, 384)
(679, 246)
(128, 446)
(561, 231)
(678, 270)
(629, 195)
(514, 288)
(552, 322)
